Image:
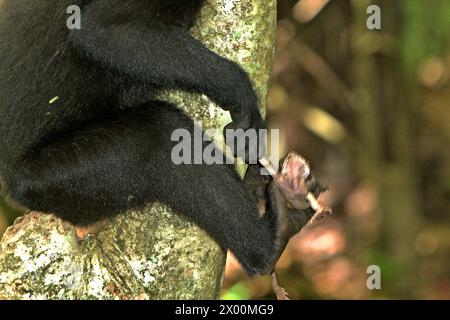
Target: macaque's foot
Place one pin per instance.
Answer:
(92, 229)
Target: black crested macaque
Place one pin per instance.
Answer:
(83, 136)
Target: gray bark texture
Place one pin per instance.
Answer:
(154, 254)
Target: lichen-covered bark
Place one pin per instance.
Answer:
(154, 254)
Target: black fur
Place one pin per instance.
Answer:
(104, 146)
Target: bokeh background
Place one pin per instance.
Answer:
(370, 110)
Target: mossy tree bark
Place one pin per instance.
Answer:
(154, 254)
